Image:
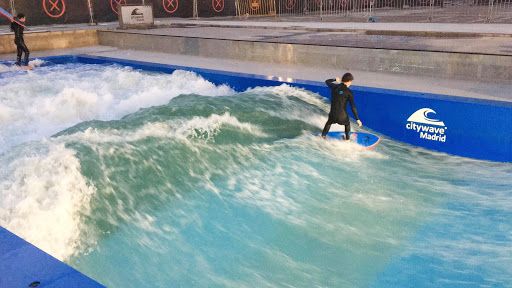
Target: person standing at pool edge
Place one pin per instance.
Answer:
(340, 95)
(19, 41)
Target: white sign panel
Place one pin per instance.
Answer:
(136, 16)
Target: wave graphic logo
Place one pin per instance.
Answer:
(136, 11)
(422, 116)
(428, 128)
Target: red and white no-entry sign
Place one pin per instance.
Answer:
(54, 8)
(170, 6)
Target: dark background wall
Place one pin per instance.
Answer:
(212, 8)
(173, 8)
(106, 10)
(53, 11)
(44, 12)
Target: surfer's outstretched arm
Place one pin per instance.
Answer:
(330, 82)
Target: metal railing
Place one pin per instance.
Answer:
(467, 11)
(461, 11)
(497, 8)
(246, 8)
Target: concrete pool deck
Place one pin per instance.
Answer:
(493, 39)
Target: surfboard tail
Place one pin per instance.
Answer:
(364, 139)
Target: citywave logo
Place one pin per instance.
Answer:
(422, 122)
(136, 11)
(137, 16)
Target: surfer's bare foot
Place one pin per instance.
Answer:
(323, 137)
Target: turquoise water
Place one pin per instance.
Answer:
(195, 185)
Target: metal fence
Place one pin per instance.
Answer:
(466, 11)
(245, 8)
(497, 8)
(42, 12)
(458, 11)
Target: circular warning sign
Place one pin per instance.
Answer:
(290, 4)
(218, 5)
(170, 6)
(115, 3)
(255, 4)
(54, 8)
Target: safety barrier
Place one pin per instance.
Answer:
(245, 8)
(92, 11)
(405, 10)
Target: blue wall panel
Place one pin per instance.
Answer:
(22, 264)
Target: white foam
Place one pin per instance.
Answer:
(285, 90)
(41, 103)
(5, 114)
(195, 127)
(12, 68)
(43, 194)
(42, 197)
(284, 190)
(4, 68)
(345, 151)
(36, 62)
(292, 110)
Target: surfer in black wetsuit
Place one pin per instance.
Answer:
(19, 41)
(340, 96)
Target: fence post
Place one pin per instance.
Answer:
(91, 12)
(321, 9)
(431, 12)
(195, 12)
(370, 10)
(490, 11)
(13, 9)
(237, 8)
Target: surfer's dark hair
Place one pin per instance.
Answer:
(347, 77)
(21, 15)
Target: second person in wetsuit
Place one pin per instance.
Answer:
(340, 96)
(19, 41)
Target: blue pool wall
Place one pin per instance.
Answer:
(23, 264)
(475, 128)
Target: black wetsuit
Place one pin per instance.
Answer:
(340, 96)
(20, 44)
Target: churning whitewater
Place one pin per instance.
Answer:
(41, 182)
(159, 180)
